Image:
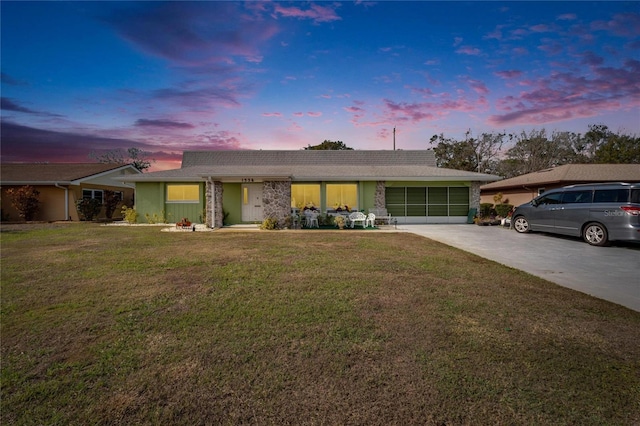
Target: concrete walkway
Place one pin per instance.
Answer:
(609, 273)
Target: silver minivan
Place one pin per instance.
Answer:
(598, 213)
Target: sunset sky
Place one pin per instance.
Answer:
(82, 77)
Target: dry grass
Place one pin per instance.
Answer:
(109, 325)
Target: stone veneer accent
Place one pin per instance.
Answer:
(276, 200)
(213, 190)
(379, 201)
(474, 196)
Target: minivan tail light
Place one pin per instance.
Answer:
(631, 210)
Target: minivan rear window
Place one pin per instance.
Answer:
(635, 196)
(611, 196)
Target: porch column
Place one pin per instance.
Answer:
(276, 199)
(379, 200)
(215, 215)
(474, 196)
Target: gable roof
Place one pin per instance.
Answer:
(52, 173)
(571, 173)
(312, 165)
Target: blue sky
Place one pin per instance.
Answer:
(82, 77)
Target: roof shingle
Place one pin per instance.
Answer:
(571, 173)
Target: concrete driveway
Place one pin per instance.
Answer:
(609, 273)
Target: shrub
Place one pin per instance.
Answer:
(89, 208)
(25, 200)
(503, 209)
(270, 223)
(156, 218)
(111, 200)
(130, 214)
(485, 209)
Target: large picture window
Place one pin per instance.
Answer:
(189, 193)
(305, 194)
(342, 195)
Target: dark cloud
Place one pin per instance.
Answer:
(7, 79)
(167, 124)
(202, 33)
(9, 105)
(29, 144)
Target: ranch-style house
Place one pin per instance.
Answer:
(235, 187)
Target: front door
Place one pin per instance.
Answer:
(252, 202)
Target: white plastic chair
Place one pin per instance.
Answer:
(311, 218)
(357, 217)
(370, 221)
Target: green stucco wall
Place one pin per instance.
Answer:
(232, 202)
(151, 201)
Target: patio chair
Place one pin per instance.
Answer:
(357, 217)
(370, 221)
(311, 219)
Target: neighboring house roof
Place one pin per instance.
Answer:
(308, 165)
(571, 173)
(57, 173)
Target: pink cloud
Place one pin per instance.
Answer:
(562, 96)
(567, 17)
(468, 50)
(316, 13)
(478, 86)
(508, 74)
(622, 24)
(314, 114)
(271, 114)
(540, 28)
(298, 114)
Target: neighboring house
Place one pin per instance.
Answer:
(248, 186)
(61, 185)
(522, 189)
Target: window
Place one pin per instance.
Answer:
(550, 199)
(340, 195)
(88, 194)
(303, 194)
(189, 193)
(611, 196)
(573, 197)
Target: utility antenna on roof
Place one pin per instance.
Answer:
(394, 138)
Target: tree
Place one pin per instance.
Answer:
(328, 145)
(472, 154)
(134, 156)
(534, 151)
(25, 200)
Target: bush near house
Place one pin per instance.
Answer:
(89, 208)
(111, 201)
(25, 200)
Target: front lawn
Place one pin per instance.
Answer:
(130, 325)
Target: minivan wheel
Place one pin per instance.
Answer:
(595, 234)
(521, 224)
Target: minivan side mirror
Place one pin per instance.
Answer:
(534, 203)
